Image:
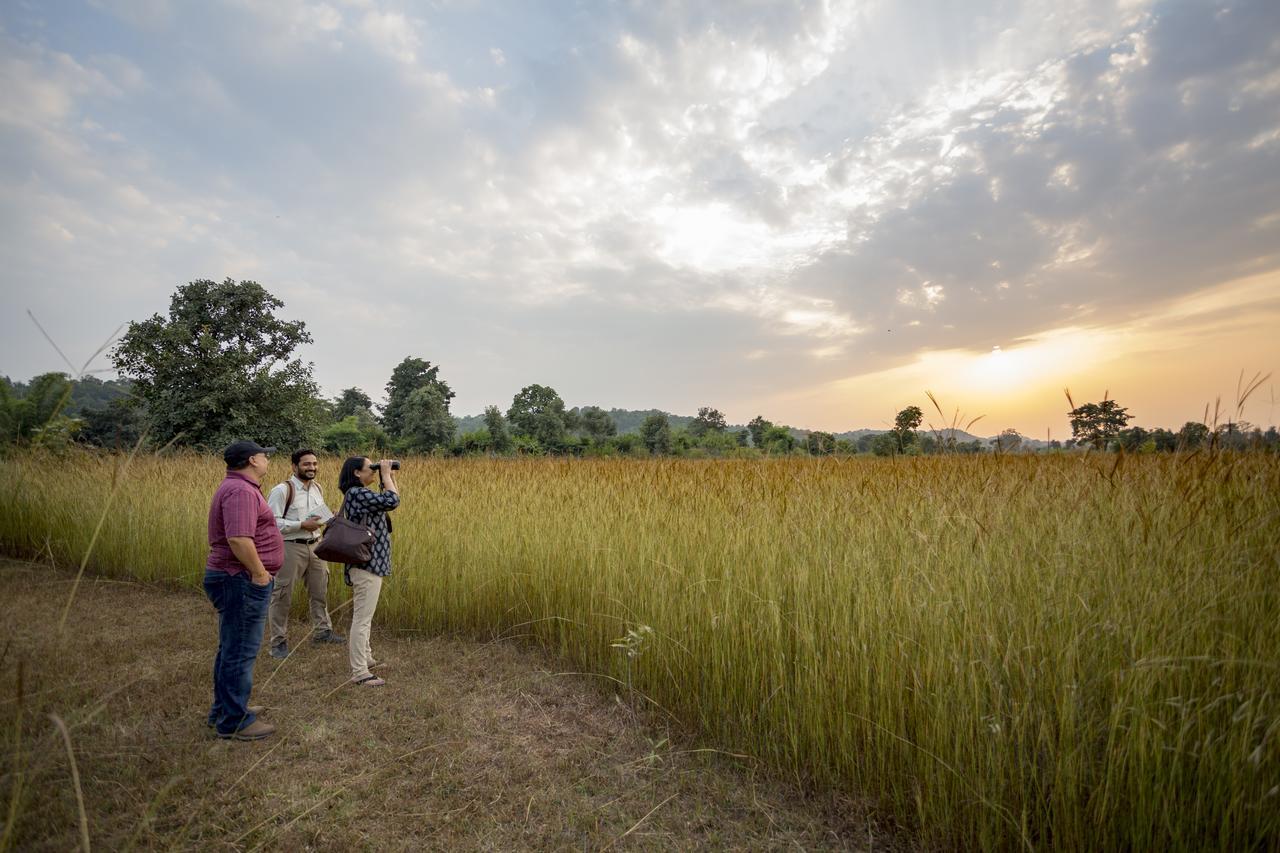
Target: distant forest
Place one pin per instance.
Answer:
(221, 366)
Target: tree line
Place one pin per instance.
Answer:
(221, 366)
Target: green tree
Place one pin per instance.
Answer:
(655, 432)
(1192, 435)
(904, 426)
(708, 420)
(220, 367)
(537, 411)
(597, 424)
(629, 444)
(354, 432)
(758, 426)
(425, 420)
(34, 411)
(352, 401)
(474, 443)
(496, 424)
(1164, 439)
(820, 443)
(118, 425)
(407, 377)
(718, 443)
(344, 436)
(886, 444)
(682, 441)
(1098, 423)
(1008, 441)
(1132, 438)
(778, 441)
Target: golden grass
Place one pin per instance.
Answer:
(1069, 652)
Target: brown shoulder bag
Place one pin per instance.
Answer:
(345, 541)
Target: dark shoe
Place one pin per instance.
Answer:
(328, 636)
(256, 730)
(279, 651)
(253, 709)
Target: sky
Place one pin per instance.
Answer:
(817, 212)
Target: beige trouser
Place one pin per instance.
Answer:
(300, 563)
(365, 587)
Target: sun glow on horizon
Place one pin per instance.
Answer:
(1155, 364)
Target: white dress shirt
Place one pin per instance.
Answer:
(306, 502)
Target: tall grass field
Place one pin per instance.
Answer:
(1009, 652)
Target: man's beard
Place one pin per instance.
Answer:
(306, 475)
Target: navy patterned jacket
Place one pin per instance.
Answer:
(365, 506)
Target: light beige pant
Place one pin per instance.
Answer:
(300, 563)
(365, 588)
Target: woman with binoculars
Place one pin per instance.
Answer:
(364, 506)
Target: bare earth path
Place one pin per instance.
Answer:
(470, 746)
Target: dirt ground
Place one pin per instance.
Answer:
(469, 746)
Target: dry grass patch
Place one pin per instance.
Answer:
(469, 746)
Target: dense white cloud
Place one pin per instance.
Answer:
(649, 204)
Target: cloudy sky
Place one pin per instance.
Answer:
(814, 211)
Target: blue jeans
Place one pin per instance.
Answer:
(242, 611)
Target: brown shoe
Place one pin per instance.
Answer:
(256, 730)
(253, 709)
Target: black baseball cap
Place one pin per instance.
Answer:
(238, 452)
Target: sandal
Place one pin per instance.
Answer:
(371, 681)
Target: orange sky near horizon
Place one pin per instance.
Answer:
(1165, 368)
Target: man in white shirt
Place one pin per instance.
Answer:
(300, 511)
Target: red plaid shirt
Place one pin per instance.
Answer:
(238, 509)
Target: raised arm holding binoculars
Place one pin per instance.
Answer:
(365, 506)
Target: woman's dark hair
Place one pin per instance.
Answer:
(348, 479)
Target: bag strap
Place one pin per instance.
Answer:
(288, 501)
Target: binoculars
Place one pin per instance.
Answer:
(395, 465)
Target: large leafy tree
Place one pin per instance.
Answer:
(1098, 423)
(352, 401)
(708, 420)
(427, 424)
(597, 424)
(1192, 435)
(1008, 441)
(496, 424)
(778, 440)
(904, 426)
(758, 427)
(538, 412)
(820, 443)
(408, 376)
(220, 367)
(655, 432)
